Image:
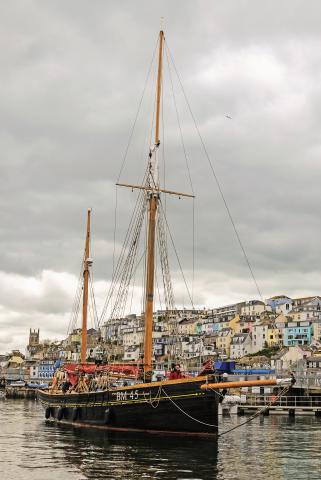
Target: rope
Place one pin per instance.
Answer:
(285, 390)
(257, 413)
(188, 170)
(126, 258)
(126, 152)
(220, 189)
(155, 401)
(187, 414)
(176, 254)
(137, 113)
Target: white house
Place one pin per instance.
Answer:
(132, 353)
(253, 308)
(259, 336)
(241, 345)
(289, 357)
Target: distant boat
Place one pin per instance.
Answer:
(18, 383)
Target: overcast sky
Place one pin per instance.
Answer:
(72, 74)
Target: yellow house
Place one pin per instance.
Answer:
(223, 341)
(234, 324)
(75, 336)
(274, 337)
(188, 326)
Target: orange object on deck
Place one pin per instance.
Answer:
(244, 383)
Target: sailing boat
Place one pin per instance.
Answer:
(174, 406)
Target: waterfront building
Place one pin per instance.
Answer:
(192, 347)
(303, 302)
(188, 326)
(316, 326)
(132, 353)
(314, 363)
(274, 337)
(210, 341)
(289, 357)
(234, 324)
(253, 308)
(42, 371)
(307, 309)
(14, 369)
(223, 341)
(132, 336)
(241, 345)
(259, 336)
(280, 304)
(297, 333)
(226, 313)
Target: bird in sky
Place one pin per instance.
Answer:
(227, 116)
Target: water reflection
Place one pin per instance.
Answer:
(109, 455)
(270, 447)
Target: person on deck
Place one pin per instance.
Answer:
(65, 386)
(175, 372)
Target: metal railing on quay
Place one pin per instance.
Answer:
(284, 401)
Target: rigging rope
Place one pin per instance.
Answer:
(127, 148)
(77, 300)
(218, 183)
(127, 247)
(187, 414)
(176, 254)
(257, 413)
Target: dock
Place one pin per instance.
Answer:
(20, 392)
(285, 405)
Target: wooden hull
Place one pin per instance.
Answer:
(177, 406)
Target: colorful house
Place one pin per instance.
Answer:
(297, 333)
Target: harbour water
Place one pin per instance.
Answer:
(267, 448)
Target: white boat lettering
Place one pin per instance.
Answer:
(130, 395)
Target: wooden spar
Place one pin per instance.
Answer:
(83, 355)
(159, 85)
(150, 265)
(244, 383)
(157, 190)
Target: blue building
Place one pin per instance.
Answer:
(46, 369)
(297, 333)
(278, 301)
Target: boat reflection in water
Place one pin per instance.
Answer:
(273, 447)
(105, 454)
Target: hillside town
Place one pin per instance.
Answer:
(276, 333)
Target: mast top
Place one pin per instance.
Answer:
(159, 86)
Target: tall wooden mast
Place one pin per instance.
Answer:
(153, 201)
(87, 264)
(152, 191)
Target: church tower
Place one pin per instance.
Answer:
(33, 340)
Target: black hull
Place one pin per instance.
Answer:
(179, 407)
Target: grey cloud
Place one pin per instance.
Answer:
(71, 78)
